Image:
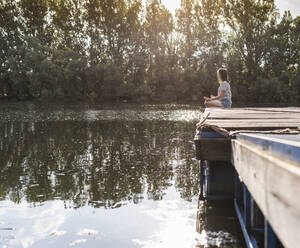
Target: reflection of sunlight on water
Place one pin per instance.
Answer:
(177, 225)
(215, 239)
(104, 115)
(134, 115)
(169, 223)
(217, 226)
(37, 223)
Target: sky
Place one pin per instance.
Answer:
(282, 5)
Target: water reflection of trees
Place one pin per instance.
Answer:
(99, 163)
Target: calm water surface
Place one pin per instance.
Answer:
(80, 177)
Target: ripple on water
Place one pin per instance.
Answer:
(56, 112)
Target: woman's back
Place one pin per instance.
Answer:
(225, 86)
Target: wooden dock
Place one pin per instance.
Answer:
(263, 146)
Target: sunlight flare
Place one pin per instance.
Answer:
(171, 5)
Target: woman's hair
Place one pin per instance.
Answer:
(223, 74)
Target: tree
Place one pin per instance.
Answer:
(67, 21)
(250, 21)
(34, 13)
(201, 47)
(9, 39)
(158, 27)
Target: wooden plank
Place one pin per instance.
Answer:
(259, 124)
(258, 121)
(252, 118)
(292, 109)
(255, 116)
(285, 146)
(213, 149)
(275, 185)
(268, 110)
(224, 112)
(288, 109)
(232, 111)
(248, 113)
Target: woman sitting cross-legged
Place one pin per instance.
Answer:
(223, 100)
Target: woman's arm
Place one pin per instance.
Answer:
(222, 93)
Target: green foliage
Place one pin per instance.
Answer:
(117, 50)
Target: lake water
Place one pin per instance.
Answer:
(80, 176)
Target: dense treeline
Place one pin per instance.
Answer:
(103, 50)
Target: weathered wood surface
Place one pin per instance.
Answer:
(242, 119)
(274, 182)
(207, 149)
(249, 115)
(253, 118)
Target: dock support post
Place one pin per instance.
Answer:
(249, 240)
(202, 168)
(242, 197)
(237, 189)
(270, 236)
(247, 207)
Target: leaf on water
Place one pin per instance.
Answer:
(58, 233)
(87, 232)
(78, 241)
